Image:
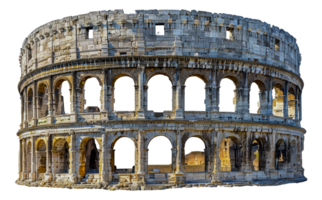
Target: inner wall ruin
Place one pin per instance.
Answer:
(75, 150)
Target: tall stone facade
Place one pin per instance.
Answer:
(76, 150)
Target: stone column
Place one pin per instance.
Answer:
(109, 99)
(104, 159)
(296, 105)
(33, 160)
(300, 106)
(178, 158)
(34, 105)
(248, 148)
(145, 103)
(173, 159)
(75, 101)
(270, 98)
(140, 93)
(214, 91)
(108, 164)
(140, 159)
(23, 159)
(38, 106)
(208, 100)
(178, 96)
(271, 158)
(20, 160)
(104, 97)
(48, 174)
(285, 103)
(72, 157)
(25, 114)
(50, 116)
(216, 158)
(22, 110)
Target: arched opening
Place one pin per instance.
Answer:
(60, 156)
(42, 101)
(257, 156)
(90, 95)
(257, 98)
(229, 155)
(123, 157)
(291, 103)
(227, 95)
(280, 154)
(160, 93)
(195, 94)
(28, 158)
(92, 157)
(62, 97)
(160, 155)
(123, 94)
(195, 157)
(30, 104)
(41, 157)
(278, 100)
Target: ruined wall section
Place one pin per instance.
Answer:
(187, 33)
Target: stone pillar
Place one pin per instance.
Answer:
(104, 97)
(104, 159)
(216, 158)
(270, 98)
(300, 106)
(296, 105)
(173, 159)
(108, 164)
(25, 114)
(48, 164)
(271, 158)
(245, 104)
(38, 105)
(34, 105)
(75, 101)
(214, 91)
(178, 157)
(285, 103)
(140, 159)
(139, 99)
(50, 116)
(72, 157)
(32, 175)
(248, 149)
(23, 159)
(20, 160)
(145, 103)
(208, 99)
(22, 110)
(178, 96)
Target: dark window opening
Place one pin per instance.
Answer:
(123, 53)
(255, 60)
(89, 33)
(277, 45)
(29, 53)
(159, 29)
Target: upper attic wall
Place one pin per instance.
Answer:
(186, 33)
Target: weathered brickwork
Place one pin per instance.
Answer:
(75, 150)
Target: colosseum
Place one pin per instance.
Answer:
(76, 150)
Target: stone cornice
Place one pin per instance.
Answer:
(105, 61)
(213, 124)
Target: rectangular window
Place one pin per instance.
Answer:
(159, 29)
(89, 33)
(229, 34)
(277, 45)
(123, 53)
(196, 54)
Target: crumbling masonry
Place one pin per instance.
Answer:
(246, 121)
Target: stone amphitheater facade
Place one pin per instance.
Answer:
(76, 150)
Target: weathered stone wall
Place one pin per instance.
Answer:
(186, 33)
